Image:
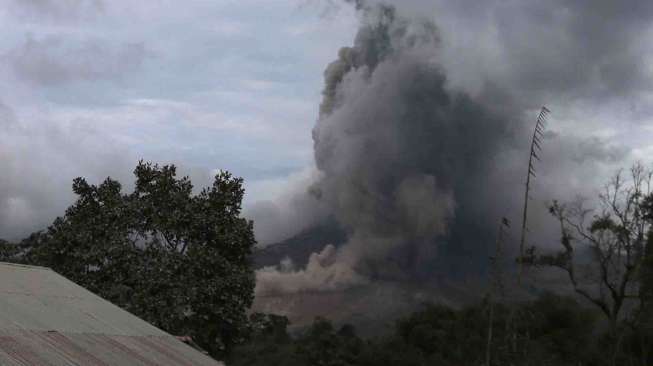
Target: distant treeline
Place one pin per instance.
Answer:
(551, 330)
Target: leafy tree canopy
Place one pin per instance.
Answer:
(177, 259)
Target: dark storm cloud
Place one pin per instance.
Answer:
(57, 10)
(584, 46)
(553, 49)
(53, 60)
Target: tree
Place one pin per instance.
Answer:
(178, 260)
(560, 333)
(7, 250)
(268, 343)
(320, 345)
(602, 252)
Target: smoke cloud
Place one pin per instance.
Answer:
(420, 155)
(286, 213)
(400, 156)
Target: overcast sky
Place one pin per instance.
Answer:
(89, 87)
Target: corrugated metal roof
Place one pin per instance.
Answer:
(46, 319)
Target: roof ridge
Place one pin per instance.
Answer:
(25, 266)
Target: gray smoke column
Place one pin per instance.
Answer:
(404, 163)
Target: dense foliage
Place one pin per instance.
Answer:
(552, 330)
(178, 260)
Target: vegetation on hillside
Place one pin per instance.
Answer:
(552, 331)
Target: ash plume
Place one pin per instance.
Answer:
(404, 162)
(421, 138)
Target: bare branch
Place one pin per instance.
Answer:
(616, 238)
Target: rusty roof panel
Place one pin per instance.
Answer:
(53, 348)
(47, 320)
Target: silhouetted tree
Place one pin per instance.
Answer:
(603, 252)
(561, 334)
(177, 259)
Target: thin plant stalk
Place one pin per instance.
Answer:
(535, 147)
(495, 286)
